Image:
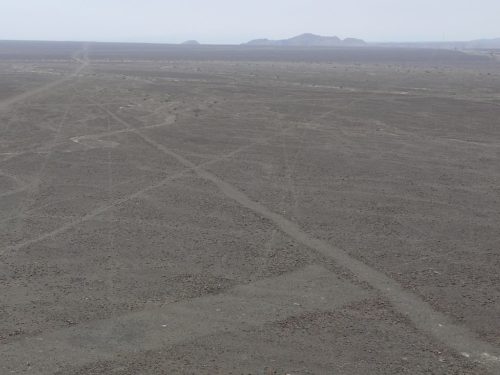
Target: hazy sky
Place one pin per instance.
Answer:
(235, 21)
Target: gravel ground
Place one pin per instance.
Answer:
(236, 210)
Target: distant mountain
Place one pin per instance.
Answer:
(309, 40)
(313, 40)
(484, 43)
(463, 45)
(191, 42)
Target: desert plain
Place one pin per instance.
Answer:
(248, 210)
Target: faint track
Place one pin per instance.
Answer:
(425, 318)
(42, 150)
(418, 311)
(127, 198)
(41, 89)
(13, 192)
(291, 163)
(32, 187)
(12, 177)
(243, 307)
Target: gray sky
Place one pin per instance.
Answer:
(234, 21)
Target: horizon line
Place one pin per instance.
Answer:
(145, 41)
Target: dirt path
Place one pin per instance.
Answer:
(243, 307)
(280, 291)
(421, 313)
(83, 63)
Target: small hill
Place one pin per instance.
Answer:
(308, 40)
(191, 42)
(354, 42)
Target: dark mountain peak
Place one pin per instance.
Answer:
(311, 36)
(191, 42)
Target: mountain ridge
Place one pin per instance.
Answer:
(308, 40)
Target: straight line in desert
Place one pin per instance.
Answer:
(83, 63)
(428, 320)
(129, 197)
(310, 289)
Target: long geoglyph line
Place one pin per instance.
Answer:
(27, 94)
(106, 207)
(418, 311)
(425, 318)
(243, 307)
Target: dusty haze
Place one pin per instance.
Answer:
(227, 21)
